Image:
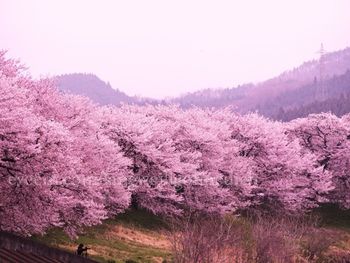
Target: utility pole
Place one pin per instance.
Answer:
(321, 86)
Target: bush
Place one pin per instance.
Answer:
(316, 243)
(276, 239)
(258, 239)
(206, 239)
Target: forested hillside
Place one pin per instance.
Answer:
(92, 87)
(292, 94)
(327, 96)
(288, 91)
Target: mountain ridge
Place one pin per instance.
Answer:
(264, 97)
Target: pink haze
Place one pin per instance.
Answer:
(164, 48)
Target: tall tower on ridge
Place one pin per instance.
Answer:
(321, 87)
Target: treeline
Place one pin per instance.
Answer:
(67, 162)
(289, 91)
(337, 106)
(326, 96)
(92, 87)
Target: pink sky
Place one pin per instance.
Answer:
(166, 48)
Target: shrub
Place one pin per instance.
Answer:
(206, 239)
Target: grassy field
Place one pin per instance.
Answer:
(138, 236)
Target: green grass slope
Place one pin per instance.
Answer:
(136, 236)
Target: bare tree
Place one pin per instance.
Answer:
(207, 239)
(260, 239)
(276, 239)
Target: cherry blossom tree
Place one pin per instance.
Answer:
(161, 167)
(67, 162)
(327, 138)
(56, 167)
(283, 172)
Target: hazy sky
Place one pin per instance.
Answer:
(165, 48)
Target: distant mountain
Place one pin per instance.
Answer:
(292, 94)
(276, 92)
(304, 101)
(91, 86)
(338, 106)
(216, 98)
